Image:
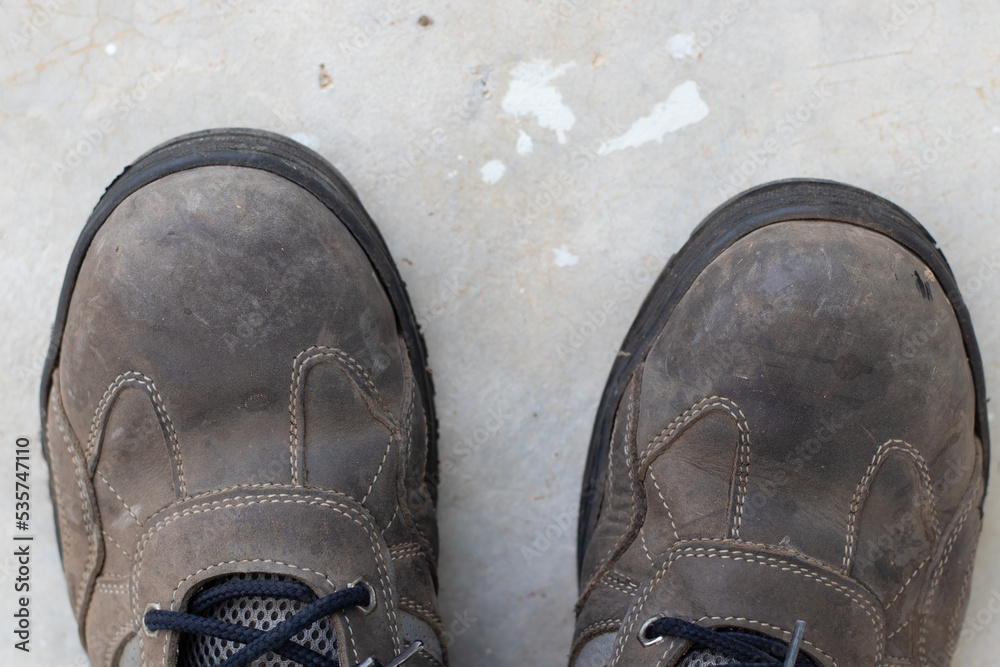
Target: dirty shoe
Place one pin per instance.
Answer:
(795, 431)
(238, 420)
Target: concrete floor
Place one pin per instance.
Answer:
(528, 162)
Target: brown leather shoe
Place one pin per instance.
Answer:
(238, 419)
(795, 431)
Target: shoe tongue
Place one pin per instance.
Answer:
(706, 659)
(599, 652)
(261, 613)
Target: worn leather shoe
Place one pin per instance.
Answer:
(794, 431)
(238, 420)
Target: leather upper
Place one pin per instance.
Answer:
(233, 395)
(798, 443)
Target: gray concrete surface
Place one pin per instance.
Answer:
(532, 164)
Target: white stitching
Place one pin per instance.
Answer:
(391, 519)
(118, 495)
(688, 416)
(776, 563)
(406, 550)
(899, 629)
(709, 404)
(666, 652)
(665, 505)
(322, 352)
(106, 534)
(109, 392)
(881, 455)
(235, 487)
(350, 637)
(405, 443)
(956, 621)
(939, 569)
(628, 465)
(385, 456)
(88, 523)
(56, 486)
(683, 419)
(154, 394)
(907, 583)
(356, 366)
(770, 627)
(624, 580)
(402, 504)
(642, 542)
(293, 429)
(340, 508)
(609, 624)
(173, 595)
(413, 605)
(611, 581)
(114, 589)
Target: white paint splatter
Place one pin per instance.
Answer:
(493, 171)
(682, 107)
(531, 94)
(524, 143)
(309, 140)
(682, 46)
(111, 49)
(451, 174)
(564, 257)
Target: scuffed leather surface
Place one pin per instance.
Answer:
(231, 383)
(809, 400)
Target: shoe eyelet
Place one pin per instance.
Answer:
(645, 640)
(372, 600)
(149, 607)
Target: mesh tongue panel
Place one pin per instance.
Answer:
(705, 659)
(259, 613)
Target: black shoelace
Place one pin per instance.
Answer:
(748, 649)
(278, 639)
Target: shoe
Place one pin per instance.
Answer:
(794, 430)
(239, 420)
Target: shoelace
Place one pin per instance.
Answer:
(279, 638)
(749, 649)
